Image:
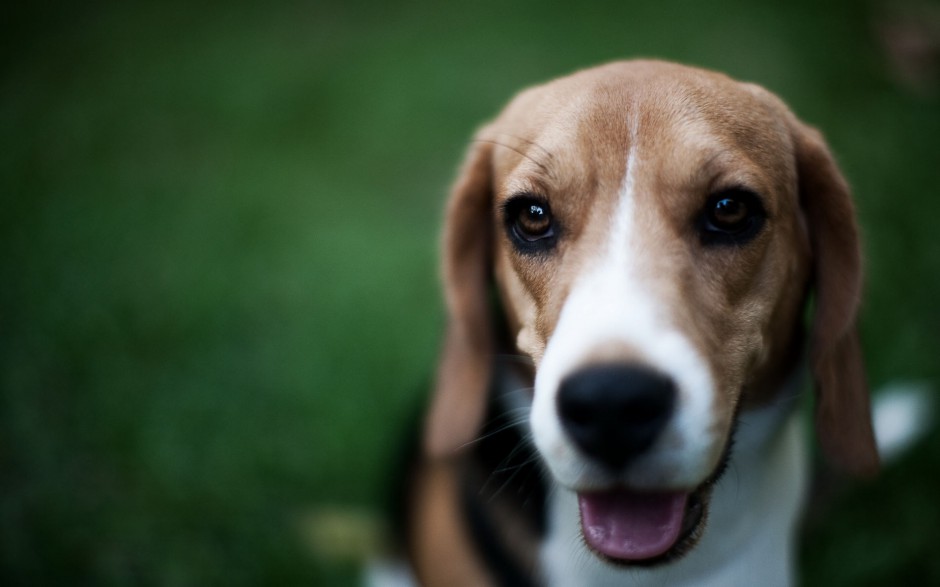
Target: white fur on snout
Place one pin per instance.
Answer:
(609, 303)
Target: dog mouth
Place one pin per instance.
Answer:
(641, 528)
(629, 527)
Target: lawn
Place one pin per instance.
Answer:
(218, 286)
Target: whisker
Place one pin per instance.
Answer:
(515, 471)
(517, 421)
(516, 416)
(544, 151)
(542, 166)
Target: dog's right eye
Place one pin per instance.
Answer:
(529, 223)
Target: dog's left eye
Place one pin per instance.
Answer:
(530, 223)
(731, 217)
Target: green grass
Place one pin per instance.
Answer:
(218, 296)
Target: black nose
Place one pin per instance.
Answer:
(615, 412)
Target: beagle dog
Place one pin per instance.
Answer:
(629, 255)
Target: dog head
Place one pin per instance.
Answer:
(654, 233)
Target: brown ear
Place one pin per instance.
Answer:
(843, 412)
(463, 373)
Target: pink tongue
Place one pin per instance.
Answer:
(631, 526)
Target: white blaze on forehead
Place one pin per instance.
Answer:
(610, 303)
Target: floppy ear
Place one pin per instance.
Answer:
(463, 373)
(843, 412)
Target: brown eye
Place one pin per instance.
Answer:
(728, 213)
(731, 217)
(534, 222)
(529, 223)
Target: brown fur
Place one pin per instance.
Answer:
(439, 546)
(843, 412)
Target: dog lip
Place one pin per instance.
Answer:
(694, 512)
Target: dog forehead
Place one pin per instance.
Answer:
(591, 118)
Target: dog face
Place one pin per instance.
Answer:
(653, 232)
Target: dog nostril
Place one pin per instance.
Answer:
(578, 412)
(615, 412)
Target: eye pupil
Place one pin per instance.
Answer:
(529, 221)
(732, 216)
(729, 213)
(535, 223)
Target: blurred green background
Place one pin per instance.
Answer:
(218, 223)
